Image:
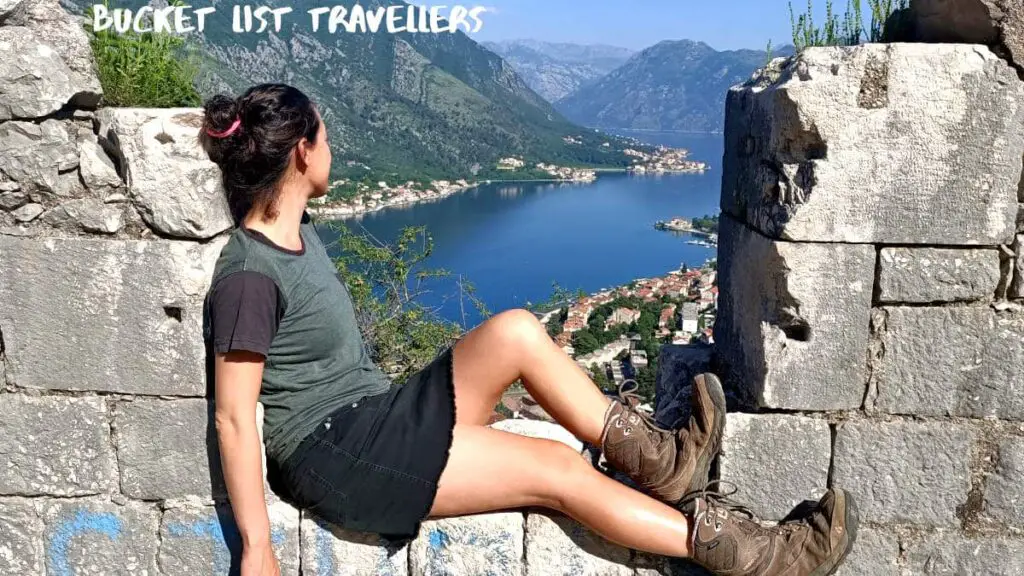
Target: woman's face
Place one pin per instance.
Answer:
(318, 162)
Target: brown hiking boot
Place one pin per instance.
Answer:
(667, 464)
(812, 541)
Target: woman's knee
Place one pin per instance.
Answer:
(559, 470)
(518, 327)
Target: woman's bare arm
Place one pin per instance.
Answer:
(239, 375)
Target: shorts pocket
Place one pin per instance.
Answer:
(319, 487)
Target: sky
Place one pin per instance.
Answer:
(637, 24)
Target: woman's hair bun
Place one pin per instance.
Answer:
(221, 112)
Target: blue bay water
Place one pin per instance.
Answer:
(513, 240)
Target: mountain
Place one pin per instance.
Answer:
(407, 105)
(673, 85)
(555, 70)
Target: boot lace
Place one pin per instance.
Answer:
(717, 495)
(629, 396)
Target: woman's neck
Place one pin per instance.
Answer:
(283, 229)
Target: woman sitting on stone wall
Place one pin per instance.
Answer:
(369, 456)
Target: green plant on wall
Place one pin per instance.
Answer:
(847, 30)
(151, 70)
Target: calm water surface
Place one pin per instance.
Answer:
(512, 241)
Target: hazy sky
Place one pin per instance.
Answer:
(724, 24)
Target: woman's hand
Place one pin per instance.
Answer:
(259, 561)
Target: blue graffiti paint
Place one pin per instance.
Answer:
(82, 522)
(324, 553)
(439, 539)
(226, 540)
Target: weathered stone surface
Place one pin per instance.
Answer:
(27, 213)
(959, 361)
(491, 544)
(651, 565)
(7, 5)
(905, 472)
(21, 537)
(98, 171)
(166, 449)
(36, 80)
(951, 554)
(1004, 493)
(558, 545)
(33, 154)
(88, 215)
(66, 35)
(840, 148)
(205, 540)
(875, 553)
(996, 23)
(175, 186)
(677, 367)
(57, 446)
(100, 537)
(538, 429)
(923, 275)
(1017, 285)
(779, 461)
(330, 551)
(12, 200)
(792, 328)
(130, 313)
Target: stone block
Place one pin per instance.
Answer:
(556, 544)
(996, 23)
(167, 449)
(1004, 492)
(205, 540)
(36, 80)
(55, 445)
(87, 215)
(905, 472)
(539, 429)
(98, 171)
(129, 314)
(777, 461)
(21, 537)
(650, 565)
(100, 537)
(925, 275)
(1017, 284)
(839, 148)
(677, 367)
(35, 155)
(331, 551)
(952, 554)
(487, 545)
(793, 319)
(876, 553)
(950, 361)
(175, 187)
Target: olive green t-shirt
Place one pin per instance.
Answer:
(292, 307)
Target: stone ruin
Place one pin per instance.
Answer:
(871, 328)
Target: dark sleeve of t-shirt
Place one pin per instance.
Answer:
(245, 312)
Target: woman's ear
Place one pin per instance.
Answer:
(303, 150)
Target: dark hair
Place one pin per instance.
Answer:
(251, 138)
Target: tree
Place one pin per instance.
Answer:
(584, 342)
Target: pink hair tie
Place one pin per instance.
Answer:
(226, 133)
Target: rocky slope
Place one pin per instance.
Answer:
(555, 70)
(673, 85)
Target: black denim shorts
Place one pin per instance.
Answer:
(373, 466)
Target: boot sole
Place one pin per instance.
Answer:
(703, 468)
(849, 536)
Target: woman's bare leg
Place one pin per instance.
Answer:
(491, 470)
(514, 345)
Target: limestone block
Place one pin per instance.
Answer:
(905, 472)
(105, 315)
(66, 35)
(27, 213)
(12, 200)
(876, 553)
(952, 554)
(205, 540)
(21, 537)
(677, 367)
(100, 537)
(879, 143)
(98, 170)
(176, 188)
(997, 23)
(7, 5)
(87, 215)
(168, 449)
(650, 565)
(33, 154)
(925, 275)
(539, 429)
(331, 551)
(36, 80)
(487, 545)
(1004, 493)
(1017, 285)
(974, 372)
(792, 328)
(778, 461)
(55, 445)
(558, 545)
